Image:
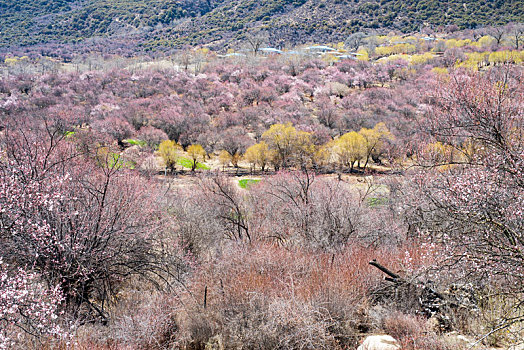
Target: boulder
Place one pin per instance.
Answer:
(379, 342)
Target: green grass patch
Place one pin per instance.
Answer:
(376, 202)
(187, 163)
(245, 183)
(135, 142)
(114, 160)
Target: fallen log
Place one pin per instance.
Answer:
(384, 269)
(427, 296)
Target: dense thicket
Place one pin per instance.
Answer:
(228, 107)
(410, 155)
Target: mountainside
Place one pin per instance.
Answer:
(172, 23)
(33, 21)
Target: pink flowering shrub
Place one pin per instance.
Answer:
(27, 307)
(477, 192)
(471, 198)
(84, 225)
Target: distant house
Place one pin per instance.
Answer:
(293, 53)
(270, 51)
(320, 49)
(234, 54)
(352, 55)
(349, 56)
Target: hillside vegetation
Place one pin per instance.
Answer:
(174, 23)
(257, 200)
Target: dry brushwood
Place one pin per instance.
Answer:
(421, 297)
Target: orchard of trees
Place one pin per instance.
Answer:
(124, 221)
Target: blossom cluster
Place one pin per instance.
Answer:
(27, 307)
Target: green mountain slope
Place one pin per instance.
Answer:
(171, 23)
(32, 21)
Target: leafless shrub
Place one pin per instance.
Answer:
(142, 319)
(297, 209)
(268, 296)
(413, 332)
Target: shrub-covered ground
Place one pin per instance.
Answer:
(238, 203)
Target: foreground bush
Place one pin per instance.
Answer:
(28, 307)
(267, 296)
(472, 198)
(81, 225)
